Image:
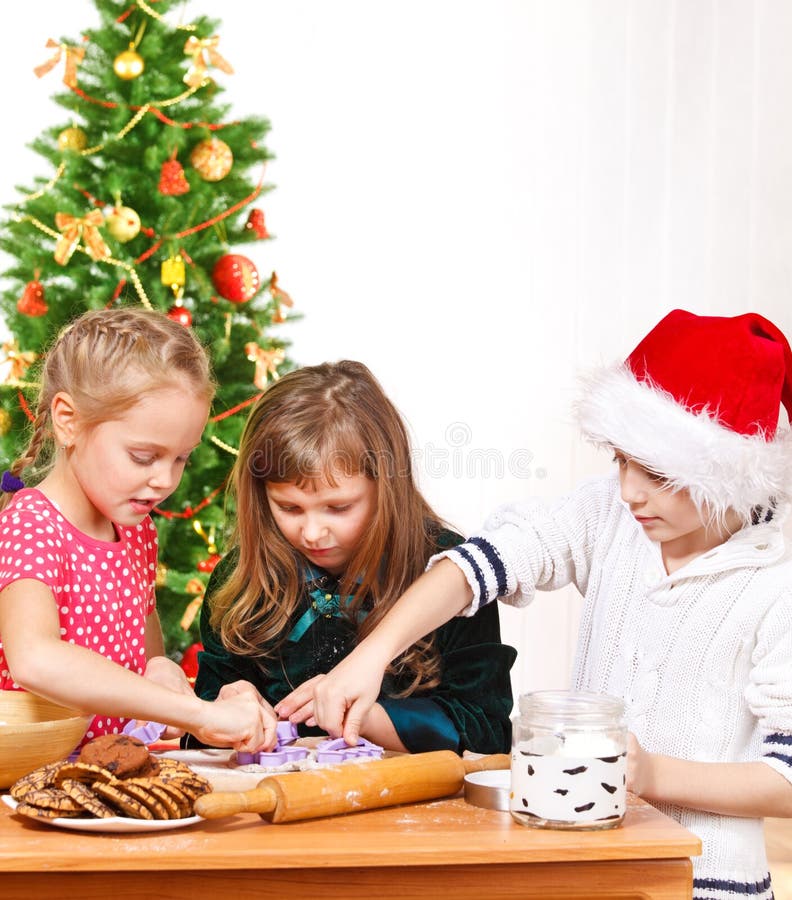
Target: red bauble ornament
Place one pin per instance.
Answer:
(189, 662)
(31, 303)
(182, 315)
(208, 565)
(255, 222)
(172, 179)
(235, 278)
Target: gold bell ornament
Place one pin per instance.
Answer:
(172, 273)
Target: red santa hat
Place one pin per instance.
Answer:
(698, 402)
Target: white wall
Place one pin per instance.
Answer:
(478, 197)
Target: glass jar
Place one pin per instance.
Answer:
(569, 761)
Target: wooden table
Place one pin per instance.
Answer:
(424, 851)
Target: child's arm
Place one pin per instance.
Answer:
(344, 697)
(155, 642)
(161, 669)
(759, 787)
(467, 709)
(523, 547)
(72, 675)
(730, 789)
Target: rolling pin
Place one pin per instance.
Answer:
(350, 787)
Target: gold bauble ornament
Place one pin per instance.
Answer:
(162, 575)
(5, 422)
(123, 223)
(72, 139)
(212, 159)
(129, 64)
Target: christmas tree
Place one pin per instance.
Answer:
(150, 188)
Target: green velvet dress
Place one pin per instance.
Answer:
(468, 710)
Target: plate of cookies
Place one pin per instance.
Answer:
(109, 824)
(114, 785)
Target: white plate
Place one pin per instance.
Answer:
(117, 823)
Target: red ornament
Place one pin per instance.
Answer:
(208, 565)
(255, 222)
(235, 278)
(189, 662)
(172, 179)
(31, 303)
(182, 315)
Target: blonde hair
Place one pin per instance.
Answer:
(311, 424)
(106, 360)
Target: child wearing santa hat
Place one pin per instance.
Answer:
(687, 584)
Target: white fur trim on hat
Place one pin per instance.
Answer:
(721, 469)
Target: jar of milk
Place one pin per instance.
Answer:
(569, 760)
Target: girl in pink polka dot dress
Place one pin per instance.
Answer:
(124, 399)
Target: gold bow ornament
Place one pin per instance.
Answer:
(267, 362)
(281, 298)
(204, 54)
(73, 55)
(17, 362)
(74, 228)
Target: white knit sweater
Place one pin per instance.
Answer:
(702, 657)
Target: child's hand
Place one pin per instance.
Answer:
(639, 767)
(241, 689)
(246, 689)
(241, 720)
(343, 697)
(165, 672)
(298, 706)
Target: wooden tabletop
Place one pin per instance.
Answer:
(442, 832)
(445, 848)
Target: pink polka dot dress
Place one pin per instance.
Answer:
(104, 590)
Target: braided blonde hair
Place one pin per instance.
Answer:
(106, 360)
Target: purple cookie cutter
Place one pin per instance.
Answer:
(147, 732)
(283, 752)
(337, 750)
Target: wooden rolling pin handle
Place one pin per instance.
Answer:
(486, 763)
(229, 803)
(350, 788)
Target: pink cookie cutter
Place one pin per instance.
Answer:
(337, 750)
(147, 732)
(283, 752)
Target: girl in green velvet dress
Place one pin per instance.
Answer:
(330, 530)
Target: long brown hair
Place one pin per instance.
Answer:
(312, 423)
(107, 359)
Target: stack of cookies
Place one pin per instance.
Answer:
(114, 775)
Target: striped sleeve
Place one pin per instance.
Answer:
(777, 750)
(536, 545)
(484, 569)
(769, 689)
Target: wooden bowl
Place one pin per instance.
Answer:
(35, 731)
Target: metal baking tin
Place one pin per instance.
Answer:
(489, 789)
